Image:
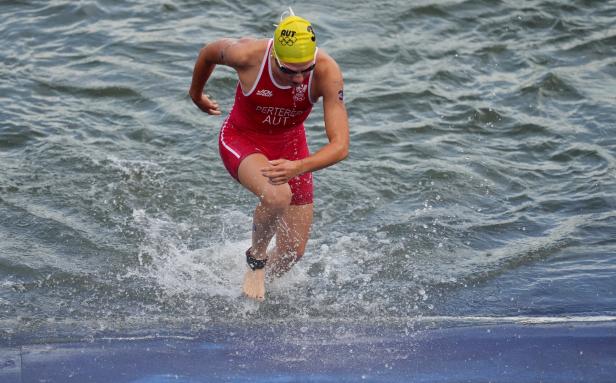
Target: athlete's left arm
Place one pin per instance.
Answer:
(331, 87)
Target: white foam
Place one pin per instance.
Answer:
(149, 337)
(213, 270)
(131, 167)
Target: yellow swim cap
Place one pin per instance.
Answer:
(294, 40)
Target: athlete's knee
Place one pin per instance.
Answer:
(294, 249)
(297, 254)
(299, 251)
(276, 198)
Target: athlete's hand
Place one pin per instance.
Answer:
(207, 104)
(281, 171)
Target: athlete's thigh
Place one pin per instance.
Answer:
(294, 229)
(249, 175)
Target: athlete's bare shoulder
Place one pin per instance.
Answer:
(325, 64)
(243, 52)
(328, 77)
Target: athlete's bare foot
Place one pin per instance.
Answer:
(254, 284)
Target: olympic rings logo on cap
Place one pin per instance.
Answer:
(285, 40)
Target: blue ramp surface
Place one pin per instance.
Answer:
(500, 353)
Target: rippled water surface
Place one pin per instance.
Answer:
(481, 180)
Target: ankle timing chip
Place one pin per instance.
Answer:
(254, 263)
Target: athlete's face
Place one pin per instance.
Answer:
(295, 72)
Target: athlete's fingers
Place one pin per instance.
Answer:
(274, 178)
(278, 177)
(277, 165)
(277, 162)
(210, 105)
(270, 169)
(277, 182)
(273, 169)
(270, 172)
(214, 110)
(211, 110)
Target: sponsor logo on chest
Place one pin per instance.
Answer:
(265, 93)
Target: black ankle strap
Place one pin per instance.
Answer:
(254, 263)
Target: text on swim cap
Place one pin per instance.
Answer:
(287, 37)
(287, 33)
(309, 29)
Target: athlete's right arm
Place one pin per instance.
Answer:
(223, 52)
